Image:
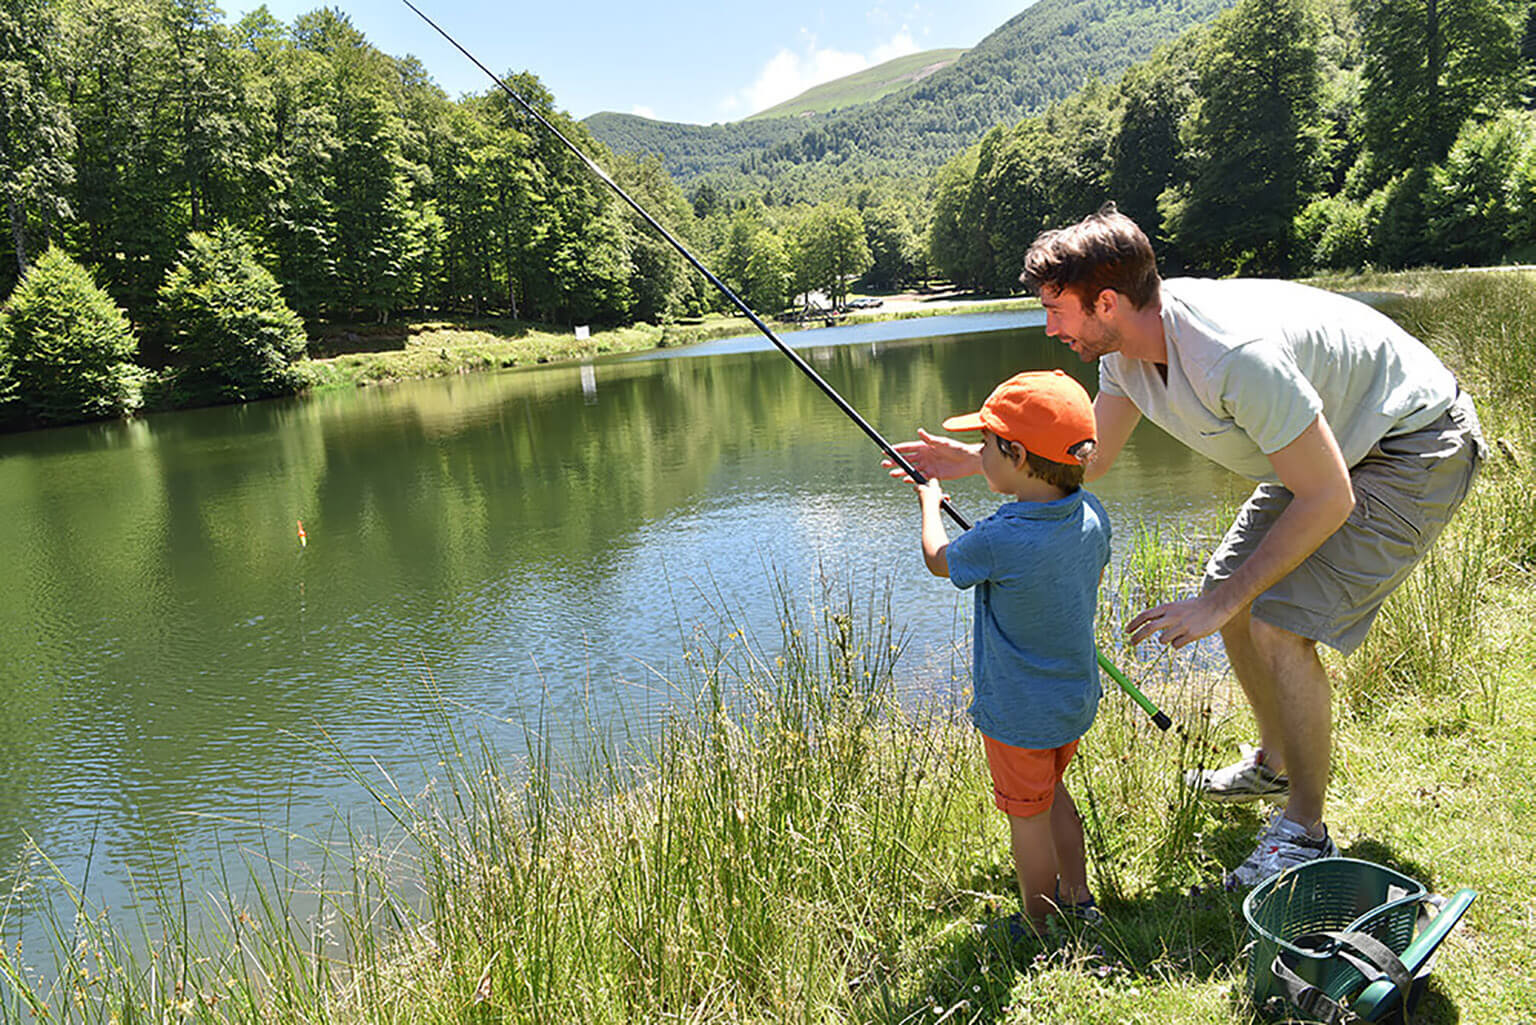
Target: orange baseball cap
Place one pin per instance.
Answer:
(1046, 411)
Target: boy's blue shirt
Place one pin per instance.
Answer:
(1035, 567)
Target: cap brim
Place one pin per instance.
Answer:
(964, 422)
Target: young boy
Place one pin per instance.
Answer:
(1035, 565)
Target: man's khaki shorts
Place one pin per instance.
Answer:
(1406, 489)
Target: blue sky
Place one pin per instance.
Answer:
(680, 61)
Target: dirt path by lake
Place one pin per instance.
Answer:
(951, 300)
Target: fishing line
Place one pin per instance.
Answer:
(1158, 717)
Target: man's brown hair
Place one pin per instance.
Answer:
(1103, 250)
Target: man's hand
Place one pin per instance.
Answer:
(1178, 623)
(936, 457)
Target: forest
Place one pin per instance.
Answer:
(187, 200)
(158, 161)
(1287, 137)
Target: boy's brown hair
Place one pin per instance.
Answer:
(1103, 250)
(1066, 476)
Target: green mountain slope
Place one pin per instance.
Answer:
(863, 86)
(1042, 54)
(691, 151)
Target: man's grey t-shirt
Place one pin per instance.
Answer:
(1252, 362)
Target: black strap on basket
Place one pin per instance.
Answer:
(1369, 956)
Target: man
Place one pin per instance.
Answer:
(1360, 441)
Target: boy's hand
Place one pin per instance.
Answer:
(935, 541)
(930, 492)
(936, 456)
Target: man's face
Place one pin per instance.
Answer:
(1078, 327)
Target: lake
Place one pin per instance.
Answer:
(538, 547)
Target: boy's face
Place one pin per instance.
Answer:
(1001, 472)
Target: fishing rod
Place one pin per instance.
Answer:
(724, 289)
(1162, 721)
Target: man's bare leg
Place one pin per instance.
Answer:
(1255, 677)
(1303, 716)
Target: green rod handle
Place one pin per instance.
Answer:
(1162, 721)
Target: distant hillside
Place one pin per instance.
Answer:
(1043, 54)
(691, 151)
(863, 86)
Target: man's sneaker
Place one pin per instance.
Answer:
(1247, 780)
(1284, 845)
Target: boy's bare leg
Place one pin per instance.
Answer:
(1071, 855)
(1034, 862)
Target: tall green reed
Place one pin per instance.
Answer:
(1427, 637)
(766, 849)
(1430, 635)
(1142, 824)
(794, 844)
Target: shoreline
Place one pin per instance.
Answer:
(424, 349)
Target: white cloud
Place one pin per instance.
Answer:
(899, 46)
(789, 73)
(641, 110)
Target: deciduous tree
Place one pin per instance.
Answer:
(1429, 66)
(1146, 155)
(833, 250)
(892, 245)
(1255, 139)
(766, 286)
(1470, 206)
(35, 130)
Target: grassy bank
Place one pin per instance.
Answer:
(799, 846)
(360, 355)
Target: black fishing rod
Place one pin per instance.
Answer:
(1162, 721)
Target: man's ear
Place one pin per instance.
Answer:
(1107, 302)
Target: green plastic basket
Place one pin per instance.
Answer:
(1326, 895)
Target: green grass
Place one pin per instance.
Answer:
(798, 846)
(423, 349)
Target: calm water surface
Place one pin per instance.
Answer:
(177, 670)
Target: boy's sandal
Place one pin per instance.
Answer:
(1085, 911)
(1009, 930)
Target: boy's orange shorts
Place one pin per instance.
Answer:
(1024, 779)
